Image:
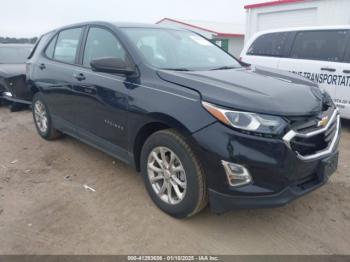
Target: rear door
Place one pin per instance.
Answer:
(318, 55)
(267, 49)
(55, 71)
(343, 90)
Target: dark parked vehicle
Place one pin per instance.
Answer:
(197, 123)
(13, 86)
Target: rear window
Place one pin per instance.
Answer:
(320, 45)
(269, 44)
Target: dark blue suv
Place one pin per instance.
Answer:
(199, 125)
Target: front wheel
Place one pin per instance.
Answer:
(173, 175)
(42, 119)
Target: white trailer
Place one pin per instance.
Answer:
(295, 13)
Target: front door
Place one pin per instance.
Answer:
(101, 108)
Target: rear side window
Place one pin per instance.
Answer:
(40, 44)
(51, 48)
(67, 45)
(34, 48)
(269, 44)
(320, 45)
(102, 43)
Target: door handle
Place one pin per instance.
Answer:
(79, 77)
(89, 90)
(346, 71)
(328, 69)
(42, 66)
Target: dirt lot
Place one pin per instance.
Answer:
(44, 208)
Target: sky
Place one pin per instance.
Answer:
(29, 18)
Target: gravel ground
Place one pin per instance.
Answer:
(44, 208)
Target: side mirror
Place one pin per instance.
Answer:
(111, 65)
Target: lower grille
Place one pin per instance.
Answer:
(308, 146)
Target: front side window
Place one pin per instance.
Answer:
(14, 54)
(269, 45)
(320, 45)
(67, 45)
(178, 49)
(101, 43)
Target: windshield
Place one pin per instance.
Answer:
(178, 49)
(14, 54)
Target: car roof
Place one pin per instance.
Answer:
(120, 25)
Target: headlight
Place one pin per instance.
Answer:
(253, 122)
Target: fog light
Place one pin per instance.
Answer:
(237, 175)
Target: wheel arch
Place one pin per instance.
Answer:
(157, 122)
(33, 88)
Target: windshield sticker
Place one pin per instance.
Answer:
(200, 40)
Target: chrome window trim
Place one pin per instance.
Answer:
(291, 134)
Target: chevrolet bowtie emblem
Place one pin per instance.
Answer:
(323, 122)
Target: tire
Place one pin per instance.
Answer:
(48, 133)
(189, 198)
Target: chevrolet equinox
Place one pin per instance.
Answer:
(198, 125)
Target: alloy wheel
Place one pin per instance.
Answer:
(40, 116)
(167, 175)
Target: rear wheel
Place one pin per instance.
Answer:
(173, 175)
(42, 119)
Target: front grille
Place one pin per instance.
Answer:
(309, 138)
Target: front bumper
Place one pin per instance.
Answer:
(221, 203)
(15, 90)
(279, 175)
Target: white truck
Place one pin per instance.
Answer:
(321, 54)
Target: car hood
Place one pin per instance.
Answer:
(10, 70)
(254, 89)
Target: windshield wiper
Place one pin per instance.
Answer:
(224, 68)
(177, 69)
